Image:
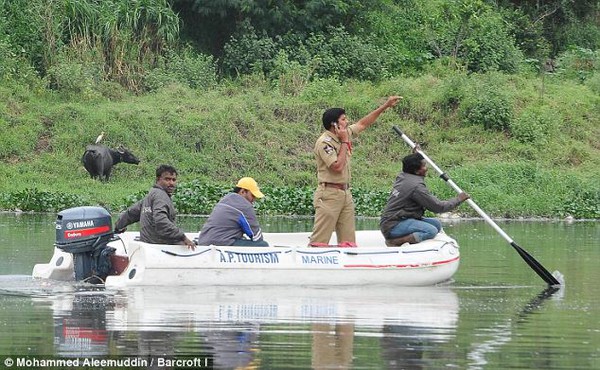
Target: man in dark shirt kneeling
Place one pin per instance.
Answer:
(402, 220)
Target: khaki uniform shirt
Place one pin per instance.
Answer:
(326, 152)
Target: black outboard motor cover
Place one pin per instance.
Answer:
(78, 229)
(85, 233)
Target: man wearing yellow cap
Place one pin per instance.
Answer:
(233, 220)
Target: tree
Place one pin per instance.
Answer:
(211, 23)
(470, 32)
(564, 23)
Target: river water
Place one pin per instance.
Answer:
(496, 314)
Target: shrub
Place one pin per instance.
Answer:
(40, 201)
(582, 201)
(333, 54)
(472, 31)
(287, 201)
(490, 108)
(398, 27)
(15, 67)
(533, 125)
(111, 90)
(578, 63)
(323, 91)
(453, 91)
(187, 67)
(490, 47)
(289, 75)
(75, 77)
(593, 83)
(369, 202)
(585, 206)
(248, 52)
(581, 34)
(196, 197)
(340, 55)
(23, 26)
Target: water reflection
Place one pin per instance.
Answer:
(227, 323)
(80, 328)
(481, 321)
(403, 347)
(332, 345)
(502, 332)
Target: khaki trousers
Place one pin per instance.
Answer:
(334, 211)
(332, 346)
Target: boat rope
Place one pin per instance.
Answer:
(429, 250)
(380, 252)
(319, 252)
(420, 251)
(184, 255)
(118, 237)
(87, 279)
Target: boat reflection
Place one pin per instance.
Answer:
(231, 326)
(80, 329)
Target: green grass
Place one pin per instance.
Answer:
(250, 128)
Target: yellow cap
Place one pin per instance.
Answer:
(250, 184)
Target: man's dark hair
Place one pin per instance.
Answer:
(412, 162)
(165, 168)
(331, 115)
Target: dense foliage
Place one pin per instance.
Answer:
(224, 89)
(81, 45)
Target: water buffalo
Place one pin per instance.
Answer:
(99, 160)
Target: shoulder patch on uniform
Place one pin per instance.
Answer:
(328, 149)
(327, 139)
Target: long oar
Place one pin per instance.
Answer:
(532, 262)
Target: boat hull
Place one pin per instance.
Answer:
(284, 263)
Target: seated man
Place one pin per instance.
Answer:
(402, 220)
(234, 217)
(156, 213)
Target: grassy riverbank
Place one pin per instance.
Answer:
(520, 145)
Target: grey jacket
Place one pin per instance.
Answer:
(410, 198)
(231, 218)
(156, 215)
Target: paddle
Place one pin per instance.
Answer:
(532, 262)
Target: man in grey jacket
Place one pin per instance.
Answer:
(156, 213)
(233, 220)
(402, 220)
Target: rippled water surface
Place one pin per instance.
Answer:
(496, 314)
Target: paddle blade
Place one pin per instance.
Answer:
(536, 266)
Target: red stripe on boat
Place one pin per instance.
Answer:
(407, 265)
(86, 232)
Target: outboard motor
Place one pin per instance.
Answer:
(85, 233)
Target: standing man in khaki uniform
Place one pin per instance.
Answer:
(334, 207)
